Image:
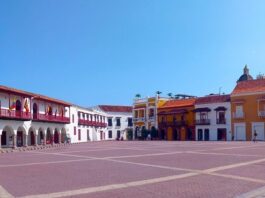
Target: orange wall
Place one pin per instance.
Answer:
(250, 109)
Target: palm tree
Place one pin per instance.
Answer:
(158, 93)
(170, 95)
(138, 96)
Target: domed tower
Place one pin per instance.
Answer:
(246, 76)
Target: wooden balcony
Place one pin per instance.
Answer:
(50, 118)
(173, 124)
(220, 121)
(203, 122)
(91, 123)
(14, 115)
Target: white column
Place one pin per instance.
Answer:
(36, 138)
(14, 140)
(26, 140)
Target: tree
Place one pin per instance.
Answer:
(158, 92)
(138, 96)
(170, 95)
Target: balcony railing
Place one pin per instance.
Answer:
(173, 124)
(142, 119)
(238, 115)
(50, 118)
(262, 114)
(151, 118)
(220, 121)
(203, 122)
(91, 123)
(13, 114)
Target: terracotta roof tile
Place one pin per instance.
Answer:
(29, 94)
(249, 86)
(178, 103)
(212, 99)
(113, 108)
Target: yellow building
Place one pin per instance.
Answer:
(176, 119)
(145, 114)
(248, 108)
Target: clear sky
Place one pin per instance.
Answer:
(105, 51)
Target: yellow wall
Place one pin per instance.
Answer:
(250, 109)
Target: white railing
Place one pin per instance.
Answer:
(262, 114)
(238, 115)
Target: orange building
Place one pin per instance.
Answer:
(176, 119)
(248, 108)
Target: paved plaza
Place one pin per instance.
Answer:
(146, 169)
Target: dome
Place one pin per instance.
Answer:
(245, 76)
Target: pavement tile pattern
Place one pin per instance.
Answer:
(145, 169)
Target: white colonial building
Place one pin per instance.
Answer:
(31, 119)
(213, 118)
(119, 121)
(87, 124)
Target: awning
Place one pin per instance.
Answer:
(205, 109)
(221, 108)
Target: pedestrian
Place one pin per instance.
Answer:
(255, 136)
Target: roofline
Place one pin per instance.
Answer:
(248, 94)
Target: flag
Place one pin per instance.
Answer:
(12, 104)
(26, 105)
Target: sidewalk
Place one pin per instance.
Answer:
(30, 148)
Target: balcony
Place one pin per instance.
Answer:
(142, 119)
(50, 118)
(151, 118)
(262, 114)
(91, 123)
(203, 122)
(173, 124)
(238, 115)
(13, 114)
(221, 121)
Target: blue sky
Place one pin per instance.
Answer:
(105, 51)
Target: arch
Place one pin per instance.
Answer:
(7, 138)
(56, 136)
(169, 133)
(31, 136)
(18, 105)
(63, 136)
(35, 111)
(49, 136)
(41, 135)
(21, 136)
(49, 110)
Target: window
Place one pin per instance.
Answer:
(136, 114)
(130, 123)
(109, 122)
(151, 112)
(78, 115)
(110, 134)
(74, 130)
(79, 134)
(118, 121)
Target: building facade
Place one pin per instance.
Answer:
(213, 118)
(87, 125)
(176, 120)
(248, 110)
(119, 122)
(145, 114)
(31, 119)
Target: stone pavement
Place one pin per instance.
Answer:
(136, 169)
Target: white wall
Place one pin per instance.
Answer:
(124, 124)
(212, 116)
